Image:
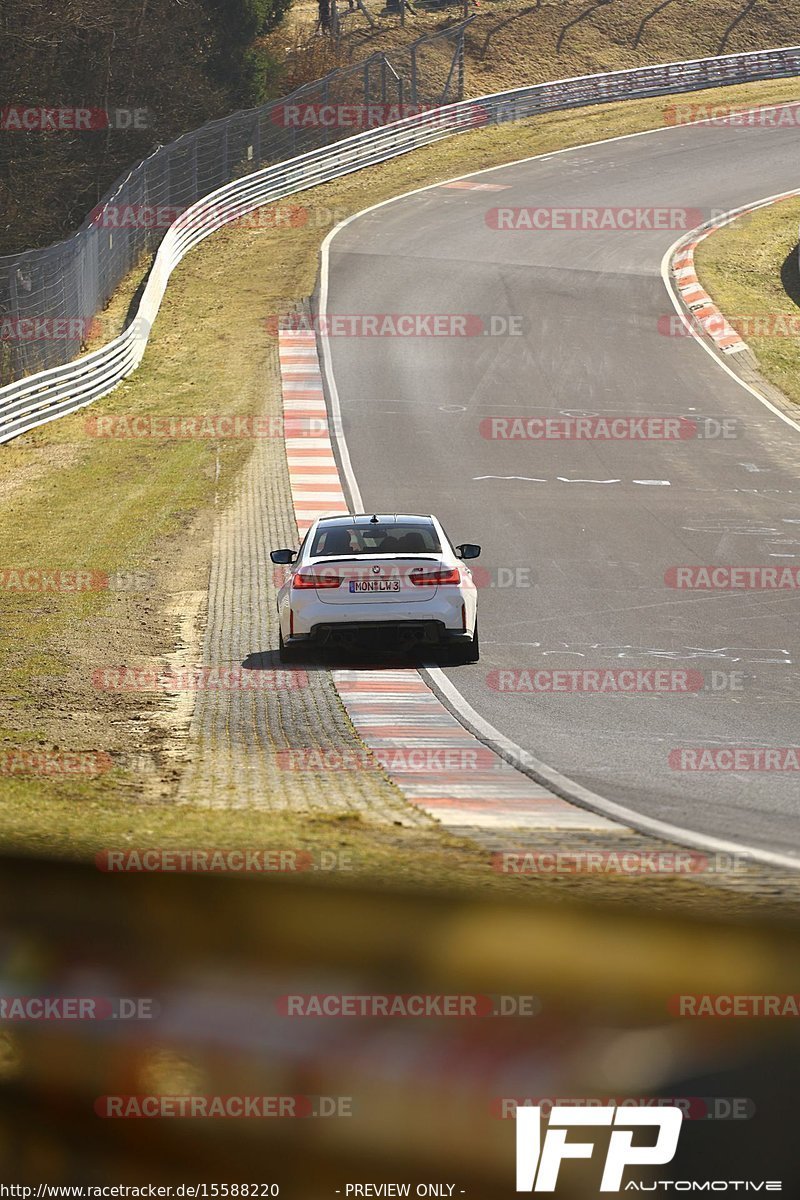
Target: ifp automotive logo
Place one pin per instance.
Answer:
(539, 1160)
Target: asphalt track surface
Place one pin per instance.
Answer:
(597, 542)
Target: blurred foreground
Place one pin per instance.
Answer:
(223, 977)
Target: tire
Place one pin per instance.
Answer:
(468, 652)
(288, 654)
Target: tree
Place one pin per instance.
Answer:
(180, 64)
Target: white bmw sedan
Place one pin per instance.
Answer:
(375, 582)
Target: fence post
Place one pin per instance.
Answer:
(224, 156)
(256, 141)
(16, 365)
(326, 137)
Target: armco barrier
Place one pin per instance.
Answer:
(50, 394)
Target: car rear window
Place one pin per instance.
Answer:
(401, 537)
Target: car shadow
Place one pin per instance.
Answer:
(321, 659)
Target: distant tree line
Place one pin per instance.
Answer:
(163, 66)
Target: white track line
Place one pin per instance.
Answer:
(537, 770)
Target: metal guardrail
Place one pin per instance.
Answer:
(44, 397)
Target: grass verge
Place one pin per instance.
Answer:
(750, 269)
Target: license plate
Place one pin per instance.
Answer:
(374, 585)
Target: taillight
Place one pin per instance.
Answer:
(434, 578)
(327, 580)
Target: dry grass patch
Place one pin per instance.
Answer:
(750, 268)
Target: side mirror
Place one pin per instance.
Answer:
(468, 550)
(282, 556)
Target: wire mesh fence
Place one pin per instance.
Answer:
(50, 296)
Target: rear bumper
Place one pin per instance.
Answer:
(443, 608)
(382, 633)
(449, 615)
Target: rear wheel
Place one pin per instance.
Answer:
(468, 652)
(288, 654)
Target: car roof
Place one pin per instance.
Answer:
(369, 518)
